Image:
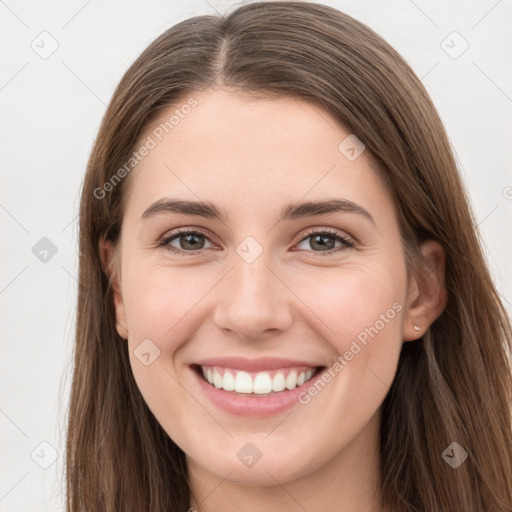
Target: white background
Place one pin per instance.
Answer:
(51, 110)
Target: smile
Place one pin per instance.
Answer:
(255, 388)
(264, 383)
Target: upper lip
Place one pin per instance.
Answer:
(254, 365)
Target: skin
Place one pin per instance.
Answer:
(252, 157)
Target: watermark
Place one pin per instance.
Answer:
(507, 193)
(45, 45)
(304, 397)
(249, 249)
(44, 250)
(454, 45)
(44, 455)
(249, 455)
(351, 148)
(454, 455)
(146, 352)
(151, 142)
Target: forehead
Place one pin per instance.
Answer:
(251, 152)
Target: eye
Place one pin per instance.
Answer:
(187, 241)
(325, 241)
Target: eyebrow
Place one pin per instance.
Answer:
(289, 212)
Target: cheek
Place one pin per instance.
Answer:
(160, 306)
(362, 310)
(158, 299)
(159, 302)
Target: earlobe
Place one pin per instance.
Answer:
(427, 292)
(111, 269)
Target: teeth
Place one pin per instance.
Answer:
(260, 383)
(217, 379)
(243, 383)
(278, 382)
(291, 380)
(229, 381)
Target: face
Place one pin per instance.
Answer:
(298, 312)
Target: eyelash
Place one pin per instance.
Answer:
(164, 242)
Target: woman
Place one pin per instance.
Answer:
(282, 299)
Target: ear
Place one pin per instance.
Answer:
(111, 268)
(427, 295)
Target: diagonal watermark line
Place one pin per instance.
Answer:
(14, 424)
(68, 224)
(424, 76)
(13, 13)
(300, 299)
(214, 489)
(212, 6)
(14, 76)
(485, 15)
(227, 227)
(488, 215)
(69, 273)
(384, 384)
(416, 84)
(76, 14)
(424, 14)
(492, 81)
(287, 492)
(13, 279)
(14, 218)
(317, 112)
(308, 191)
(280, 423)
(199, 403)
(83, 82)
(197, 302)
(14, 485)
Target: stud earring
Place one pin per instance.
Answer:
(416, 327)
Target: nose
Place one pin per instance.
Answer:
(253, 301)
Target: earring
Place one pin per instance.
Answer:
(416, 327)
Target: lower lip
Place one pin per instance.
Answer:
(254, 406)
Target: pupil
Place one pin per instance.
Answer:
(191, 241)
(320, 240)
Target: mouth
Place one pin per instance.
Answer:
(256, 384)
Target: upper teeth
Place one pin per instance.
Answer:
(260, 382)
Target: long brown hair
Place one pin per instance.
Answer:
(453, 385)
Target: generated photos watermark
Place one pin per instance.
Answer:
(151, 142)
(363, 337)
